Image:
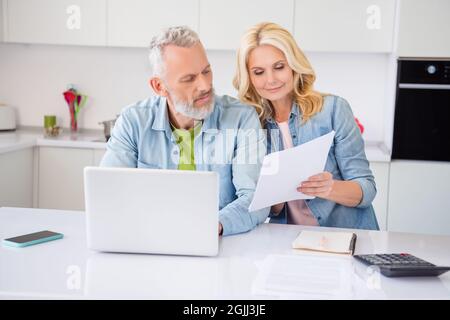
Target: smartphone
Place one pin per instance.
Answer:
(32, 238)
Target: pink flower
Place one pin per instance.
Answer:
(360, 126)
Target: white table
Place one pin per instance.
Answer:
(66, 269)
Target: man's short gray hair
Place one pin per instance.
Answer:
(180, 36)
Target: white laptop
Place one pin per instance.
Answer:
(152, 211)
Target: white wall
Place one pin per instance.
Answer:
(33, 77)
(359, 78)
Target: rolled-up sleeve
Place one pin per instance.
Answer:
(121, 149)
(349, 152)
(249, 154)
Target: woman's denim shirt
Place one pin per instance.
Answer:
(346, 161)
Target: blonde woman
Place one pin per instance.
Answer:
(275, 77)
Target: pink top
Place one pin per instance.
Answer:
(298, 212)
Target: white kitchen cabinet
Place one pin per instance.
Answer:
(419, 197)
(98, 155)
(61, 177)
(2, 19)
(424, 28)
(132, 23)
(380, 171)
(16, 178)
(76, 22)
(222, 23)
(345, 25)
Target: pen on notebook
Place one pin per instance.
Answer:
(353, 244)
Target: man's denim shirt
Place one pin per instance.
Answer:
(231, 143)
(346, 161)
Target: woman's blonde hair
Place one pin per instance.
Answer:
(266, 33)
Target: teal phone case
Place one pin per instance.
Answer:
(30, 243)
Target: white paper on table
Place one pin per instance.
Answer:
(305, 277)
(283, 171)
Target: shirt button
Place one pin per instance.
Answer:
(294, 136)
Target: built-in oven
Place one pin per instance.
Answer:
(422, 110)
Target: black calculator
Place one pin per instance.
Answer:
(401, 265)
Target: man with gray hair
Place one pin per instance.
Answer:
(187, 127)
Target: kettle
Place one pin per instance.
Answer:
(108, 126)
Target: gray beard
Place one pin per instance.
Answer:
(188, 109)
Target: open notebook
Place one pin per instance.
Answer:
(335, 242)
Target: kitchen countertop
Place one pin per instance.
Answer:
(377, 151)
(30, 137)
(93, 139)
(259, 264)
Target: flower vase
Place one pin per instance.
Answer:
(75, 101)
(73, 128)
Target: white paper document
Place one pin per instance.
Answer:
(304, 277)
(283, 171)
